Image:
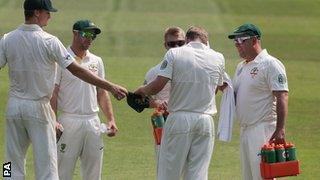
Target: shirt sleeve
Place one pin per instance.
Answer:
(59, 53)
(277, 78)
(57, 79)
(3, 59)
(166, 67)
(101, 72)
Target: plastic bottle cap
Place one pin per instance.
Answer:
(289, 145)
(279, 146)
(269, 147)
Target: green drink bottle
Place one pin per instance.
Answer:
(290, 152)
(280, 153)
(270, 154)
(157, 119)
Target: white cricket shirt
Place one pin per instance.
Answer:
(151, 75)
(253, 84)
(76, 96)
(195, 71)
(31, 54)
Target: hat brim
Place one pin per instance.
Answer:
(52, 10)
(234, 35)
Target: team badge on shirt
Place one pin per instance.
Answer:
(63, 148)
(254, 71)
(282, 79)
(68, 57)
(93, 67)
(164, 65)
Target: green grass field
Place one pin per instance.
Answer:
(131, 43)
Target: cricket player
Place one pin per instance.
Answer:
(78, 103)
(261, 88)
(31, 55)
(173, 37)
(195, 71)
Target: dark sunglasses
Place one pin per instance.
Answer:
(175, 43)
(87, 34)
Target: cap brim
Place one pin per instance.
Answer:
(234, 35)
(53, 10)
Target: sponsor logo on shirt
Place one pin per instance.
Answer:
(164, 65)
(282, 79)
(254, 71)
(93, 67)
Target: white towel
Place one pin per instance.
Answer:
(227, 111)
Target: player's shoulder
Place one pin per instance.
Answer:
(7, 35)
(47, 36)
(219, 55)
(94, 57)
(270, 60)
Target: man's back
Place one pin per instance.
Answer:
(31, 54)
(196, 72)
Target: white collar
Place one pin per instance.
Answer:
(30, 27)
(197, 45)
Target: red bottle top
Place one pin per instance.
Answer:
(267, 147)
(279, 146)
(289, 145)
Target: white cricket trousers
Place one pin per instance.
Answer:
(186, 146)
(252, 139)
(80, 138)
(32, 122)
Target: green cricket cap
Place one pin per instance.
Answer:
(86, 25)
(30, 5)
(247, 29)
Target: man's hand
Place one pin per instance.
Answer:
(278, 137)
(163, 105)
(113, 129)
(118, 92)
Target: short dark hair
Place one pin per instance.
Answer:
(28, 14)
(173, 31)
(194, 33)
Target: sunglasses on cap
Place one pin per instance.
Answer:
(87, 34)
(241, 40)
(172, 44)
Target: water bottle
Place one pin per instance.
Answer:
(270, 154)
(280, 153)
(290, 152)
(157, 119)
(262, 153)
